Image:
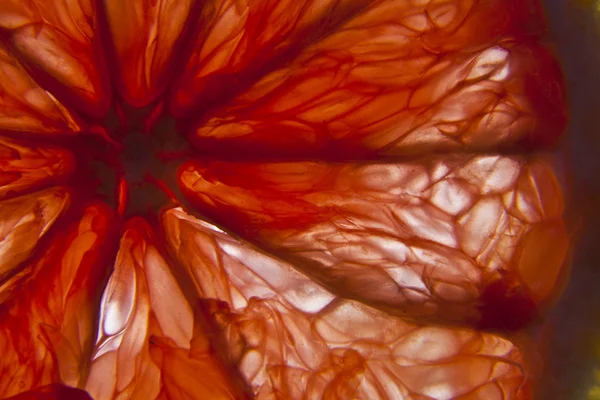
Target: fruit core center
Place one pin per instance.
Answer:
(137, 172)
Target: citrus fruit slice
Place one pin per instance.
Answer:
(237, 199)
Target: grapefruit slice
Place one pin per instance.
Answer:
(280, 199)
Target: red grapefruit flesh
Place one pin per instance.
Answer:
(49, 305)
(279, 199)
(59, 45)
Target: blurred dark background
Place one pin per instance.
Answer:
(572, 336)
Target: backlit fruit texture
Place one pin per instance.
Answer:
(325, 199)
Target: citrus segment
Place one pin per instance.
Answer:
(58, 43)
(144, 36)
(423, 238)
(24, 167)
(23, 221)
(25, 106)
(47, 325)
(380, 85)
(290, 338)
(146, 324)
(237, 40)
